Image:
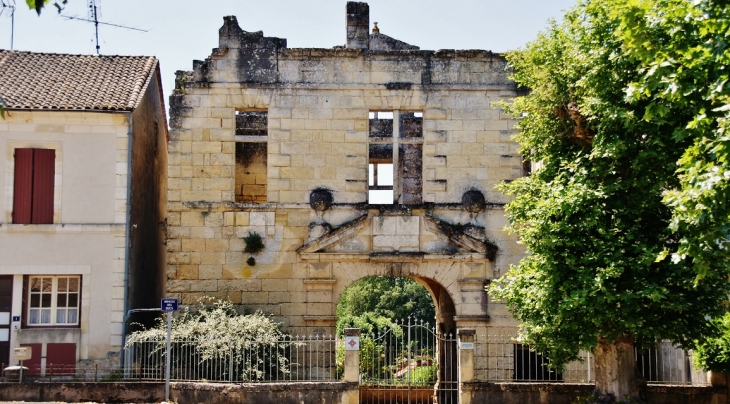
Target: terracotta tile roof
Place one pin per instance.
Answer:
(30, 80)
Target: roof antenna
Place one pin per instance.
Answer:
(8, 7)
(94, 17)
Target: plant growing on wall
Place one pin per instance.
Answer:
(254, 244)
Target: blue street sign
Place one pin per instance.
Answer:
(168, 304)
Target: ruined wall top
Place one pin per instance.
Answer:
(250, 57)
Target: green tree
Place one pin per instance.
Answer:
(683, 49)
(389, 297)
(592, 217)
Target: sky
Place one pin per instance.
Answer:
(180, 31)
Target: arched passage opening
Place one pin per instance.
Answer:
(408, 338)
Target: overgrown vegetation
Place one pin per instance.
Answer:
(373, 305)
(621, 92)
(713, 353)
(211, 332)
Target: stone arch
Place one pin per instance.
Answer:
(443, 299)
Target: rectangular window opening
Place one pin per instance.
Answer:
(395, 178)
(251, 156)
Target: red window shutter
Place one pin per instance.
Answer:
(44, 169)
(23, 186)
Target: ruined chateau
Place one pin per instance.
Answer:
(372, 158)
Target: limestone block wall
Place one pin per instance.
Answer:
(317, 103)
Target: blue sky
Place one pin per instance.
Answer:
(180, 31)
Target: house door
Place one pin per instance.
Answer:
(6, 301)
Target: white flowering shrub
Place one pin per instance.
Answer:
(215, 336)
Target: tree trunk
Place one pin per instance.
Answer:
(616, 375)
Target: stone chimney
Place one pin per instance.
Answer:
(358, 24)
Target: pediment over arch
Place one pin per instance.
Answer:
(403, 237)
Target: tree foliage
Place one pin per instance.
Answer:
(593, 217)
(388, 297)
(714, 353)
(682, 48)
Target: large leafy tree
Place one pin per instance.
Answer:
(683, 48)
(592, 217)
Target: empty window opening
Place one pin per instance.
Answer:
(380, 178)
(395, 178)
(251, 156)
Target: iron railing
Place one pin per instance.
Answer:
(501, 358)
(289, 358)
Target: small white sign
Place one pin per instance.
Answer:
(466, 345)
(352, 343)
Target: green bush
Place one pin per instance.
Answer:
(713, 353)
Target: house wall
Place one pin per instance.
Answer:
(87, 237)
(148, 205)
(318, 102)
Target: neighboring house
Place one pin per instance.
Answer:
(374, 158)
(82, 231)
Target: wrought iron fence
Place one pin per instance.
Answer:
(501, 358)
(290, 358)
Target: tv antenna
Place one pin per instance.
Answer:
(94, 17)
(7, 7)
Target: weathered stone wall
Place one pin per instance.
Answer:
(84, 392)
(318, 103)
(566, 393)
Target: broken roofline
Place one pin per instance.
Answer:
(231, 36)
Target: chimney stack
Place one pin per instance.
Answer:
(358, 24)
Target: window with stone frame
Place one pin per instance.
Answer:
(395, 178)
(53, 300)
(33, 186)
(251, 156)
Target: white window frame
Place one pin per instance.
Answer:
(53, 316)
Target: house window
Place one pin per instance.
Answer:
(53, 300)
(395, 177)
(251, 153)
(33, 186)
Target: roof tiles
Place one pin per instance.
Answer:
(30, 80)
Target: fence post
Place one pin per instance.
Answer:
(466, 362)
(719, 382)
(352, 354)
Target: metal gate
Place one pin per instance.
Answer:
(410, 363)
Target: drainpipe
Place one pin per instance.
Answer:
(128, 236)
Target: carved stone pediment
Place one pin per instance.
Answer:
(403, 237)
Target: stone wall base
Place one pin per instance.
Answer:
(567, 393)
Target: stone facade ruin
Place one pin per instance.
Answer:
(372, 158)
